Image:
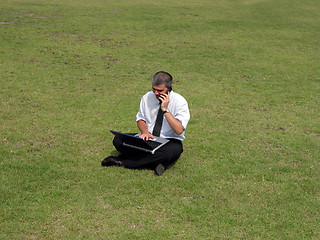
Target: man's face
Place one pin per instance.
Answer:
(159, 90)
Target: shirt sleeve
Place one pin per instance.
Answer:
(141, 114)
(183, 114)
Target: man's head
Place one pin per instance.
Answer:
(161, 83)
(162, 78)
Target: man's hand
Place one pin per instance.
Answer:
(146, 136)
(165, 99)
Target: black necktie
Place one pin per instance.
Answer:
(158, 124)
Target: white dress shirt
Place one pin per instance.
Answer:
(178, 106)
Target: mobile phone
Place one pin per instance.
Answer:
(162, 95)
(166, 93)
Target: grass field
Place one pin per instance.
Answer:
(71, 70)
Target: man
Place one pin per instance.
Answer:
(174, 114)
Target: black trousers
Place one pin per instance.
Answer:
(133, 158)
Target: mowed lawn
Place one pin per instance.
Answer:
(71, 70)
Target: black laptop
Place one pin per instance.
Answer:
(136, 142)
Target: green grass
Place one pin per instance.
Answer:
(72, 70)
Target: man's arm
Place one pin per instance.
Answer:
(174, 123)
(145, 135)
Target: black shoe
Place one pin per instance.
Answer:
(160, 169)
(111, 161)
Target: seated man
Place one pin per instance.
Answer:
(162, 113)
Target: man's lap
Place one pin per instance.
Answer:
(133, 158)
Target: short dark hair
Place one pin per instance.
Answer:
(162, 77)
